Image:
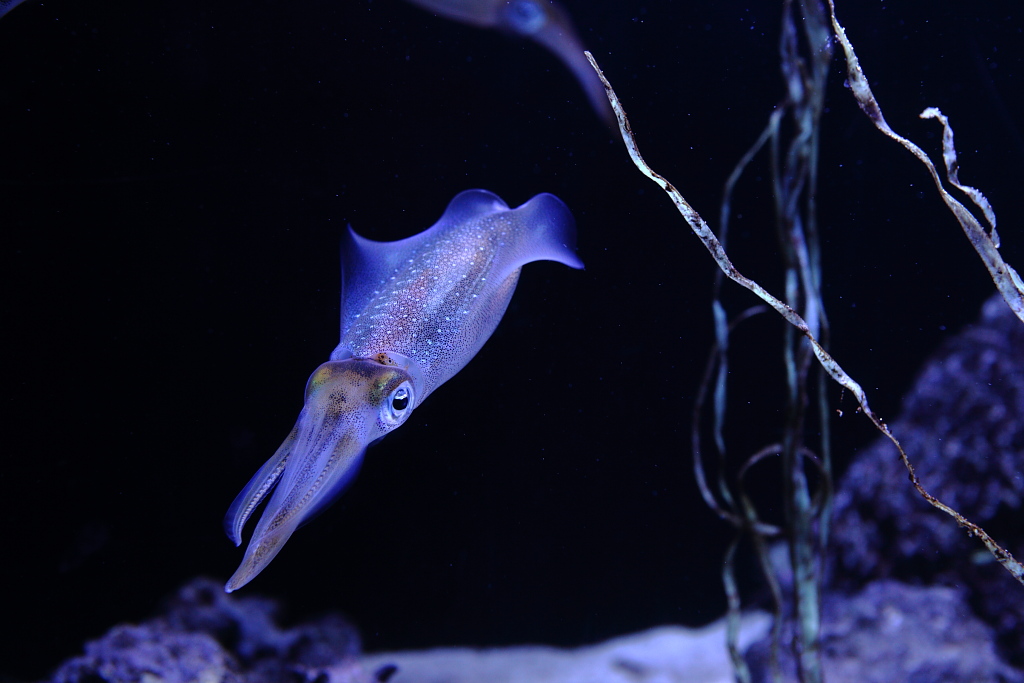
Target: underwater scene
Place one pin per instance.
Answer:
(349, 341)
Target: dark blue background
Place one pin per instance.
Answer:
(174, 178)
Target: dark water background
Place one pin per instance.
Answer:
(174, 178)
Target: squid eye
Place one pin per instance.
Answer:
(400, 400)
(398, 405)
(525, 17)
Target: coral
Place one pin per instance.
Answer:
(206, 636)
(150, 653)
(891, 631)
(962, 426)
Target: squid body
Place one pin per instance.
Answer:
(414, 312)
(543, 21)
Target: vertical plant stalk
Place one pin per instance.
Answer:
(795, 180)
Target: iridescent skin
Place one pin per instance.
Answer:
(414, 313)
(543, 21)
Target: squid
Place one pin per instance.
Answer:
(543, 21)
(414, 312)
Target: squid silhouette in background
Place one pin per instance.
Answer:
(414, 312)
(543, 21)
(7, 5)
